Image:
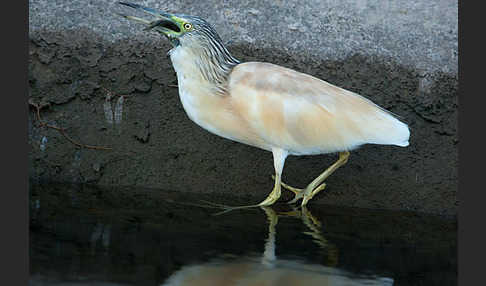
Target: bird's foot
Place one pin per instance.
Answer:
(304, 194)
(272, 197)
(309, 194)
(299, 193)
(270, 200)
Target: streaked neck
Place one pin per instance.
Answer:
(210, 63)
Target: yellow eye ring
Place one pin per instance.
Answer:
(187, 26)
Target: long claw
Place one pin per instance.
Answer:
(213, 204)
(227, 208)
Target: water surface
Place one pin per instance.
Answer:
(85, 235)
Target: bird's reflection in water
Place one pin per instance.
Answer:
(314, 230)
(269, 269)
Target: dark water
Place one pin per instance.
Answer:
(84, 235)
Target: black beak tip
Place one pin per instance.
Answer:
(132, 5)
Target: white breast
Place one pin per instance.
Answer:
(186, 77)
(197, 96)
(205, 106)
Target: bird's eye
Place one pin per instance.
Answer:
(187, 26)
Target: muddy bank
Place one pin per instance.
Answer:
(121, 95)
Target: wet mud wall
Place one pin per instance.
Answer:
(105, 109)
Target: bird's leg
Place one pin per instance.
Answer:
(316, 185)
(279, 156)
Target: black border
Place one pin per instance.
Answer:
(15, 218)
(471, 238)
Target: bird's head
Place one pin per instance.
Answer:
(180, 30)
(204, 50)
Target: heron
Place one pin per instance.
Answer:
(268, 106)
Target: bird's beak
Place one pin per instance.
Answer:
(165, 23)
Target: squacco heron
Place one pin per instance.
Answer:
(268, 106)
